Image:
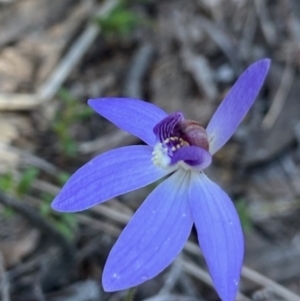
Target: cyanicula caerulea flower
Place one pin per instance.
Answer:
(180, 149)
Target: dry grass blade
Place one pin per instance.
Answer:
(106, 142)
(113, 214)
(18, 101)
(202, 275)
(48, 90)
(173, 276)
(280, 97)
(267, 27)
(254, 277)
(98, 225)
(76, 52)
(221, 39)
(27, 158)
(268, 283)
(199, 67)
(138, 69)
(171, 297)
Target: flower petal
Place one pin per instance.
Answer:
(236, 104)
(192, 155)
(131, 115)
(108, 175)
(153, 237)
(219, 233)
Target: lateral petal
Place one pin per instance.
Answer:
(153, 238)
(219, 233)
(236, 104)
(131, 115)
(108, 175)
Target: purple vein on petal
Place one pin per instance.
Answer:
(236, 104)
(153, 237)
(219, 233)
(131, 115)
(108, 175)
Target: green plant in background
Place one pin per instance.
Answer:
(62, 178)
(6, 182)
(26, 181)
(20, 187)
(7, 186)
(65, 223)
(72, 112)
(120, 21)
(130, 294)
(244, 215)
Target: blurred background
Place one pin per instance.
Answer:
(181, 55)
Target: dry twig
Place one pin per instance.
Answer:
(199, 67)
(199, 273)
(106, 142)
(30, 159)
(268, 283)
(254, 276)
(75, 53)
(172, 278)
(4, 284)
(171, 297)
(138, 69)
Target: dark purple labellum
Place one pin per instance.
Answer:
(180, 140)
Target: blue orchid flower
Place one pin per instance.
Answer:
(179, 150)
